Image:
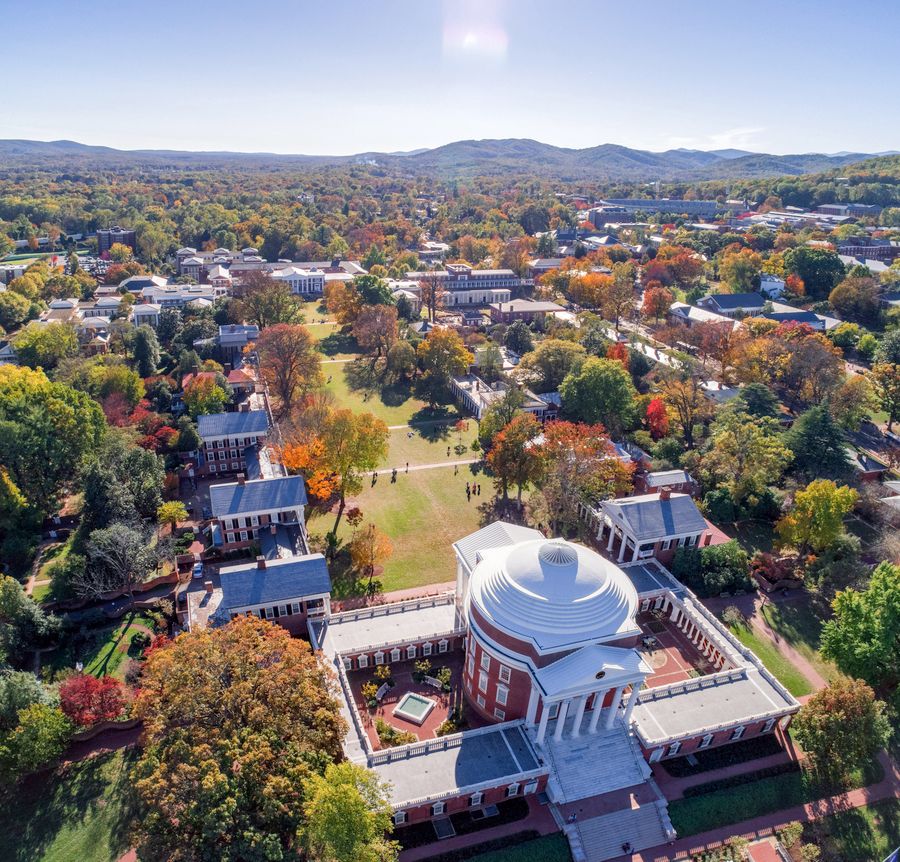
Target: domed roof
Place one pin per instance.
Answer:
(554, 593)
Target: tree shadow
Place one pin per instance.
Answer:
(361, 376)
(338, 342)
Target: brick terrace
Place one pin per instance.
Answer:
(673, 657)
(404, 682)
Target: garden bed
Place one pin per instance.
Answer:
(420, 834)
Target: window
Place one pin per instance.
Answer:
(283, 610)
(504, 673)
(363, 660)
(437, 808)
(243, 535)
(395, 654)
(213, 468)
(512, 790)
(254, 521)
(482, 681)
(768, 725)
(411, 651)
(480, 700)
(502, 694)
(379, 658)
(667, 544)
(738, 732)
(476, 798)
(554, 711)
(674, 748)
(530, 787)
(270, 613)
(348, 663)
(471, 665)
(295, 607)
(500, 715)
(426, 648)
(485, 660)
(442, 646)
(235, 465)
(706, 742)
(399, 818)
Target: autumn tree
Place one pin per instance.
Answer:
(442, 354)
(266, 301)
(816, 518)
(739, 269)
(498, 414)
(600, 391)
(203, 395)
(513, 458)
(289, 363)
(656, 301)
(885, 377)
(551, 361)
(236, 720)
(375, 329)
(617, 300)
(400, 360)
(657, 418)
(853, 401)
(840, 728)
(433, 290)
(369, 548)
(87, 700)
(45, 346)
(820, 269)
(683, 394)
(578, 467)
(170, 513)
(857, 298)
(343, 301)
(40, 736)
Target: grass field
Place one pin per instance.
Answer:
(426, 443)
(423, 514)
(801, 628)
(794, 681)
(752, 536)
(79, 813)
(549, 848)
(859, 835)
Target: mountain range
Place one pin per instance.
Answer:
(606, 162)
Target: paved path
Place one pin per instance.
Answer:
(328, 361)
(403, 469)
(768, 824)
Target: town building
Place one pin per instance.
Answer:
(226, 437)
(733, 304)
(464, 285)
(106, 237)
(302, 282)
(528, 310)
(476, 396)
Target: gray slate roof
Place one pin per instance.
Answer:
(648, 517)
(233, 424)
(496, 535)
(260, 495)
(732, 301)
(281, 580)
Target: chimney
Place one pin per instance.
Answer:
(260, 562)
(241, 478)
(665, 494)
(208, 584)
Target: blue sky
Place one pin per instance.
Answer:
(346, 76)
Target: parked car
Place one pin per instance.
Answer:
(198, 570)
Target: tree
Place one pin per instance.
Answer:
(369, 547)
(15, 309)
(601, 391)
(289, 362)
(86, 700)
(171, 513)
(840, 728)
(375, 329)
(518, 338)
(499, 413)
(714, 569)
(759, 400)
(19, 689)
(857, 299)
(343, 300)
(513, 458)
(23, 624)
(120, 253)
(236, 721)
(401, 360)
(373, 290)
(739, 269)
(45, 346)
(348, 816)
(266, 301)
(617, 300)
(442, 354)
(888, 351)
(145, 351)
(853, 402)
(657, 417)
(863, 636)
(120, 557)
(745, 455)
(433, 290)
(551, 361)
(818, 444)
(203, 396)
(578, 467)
(819, 268)
(885, 378)
(337, 453)
(656, 302)
(39, 738)
(817, 516)
(684, 396)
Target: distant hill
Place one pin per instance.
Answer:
(606, 162)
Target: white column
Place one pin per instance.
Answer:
(532, 707)
(579, 715)
(561, 719)
(614, 706)
(622, 549)
(595, 715)
(612, 537)
(542, 727)
(632, 700)
(676, 613)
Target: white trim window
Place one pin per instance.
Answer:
(738, 733)
(427, 648)
(399, 818)
(442, 645)
(395, 654)
(476, 799)
(411, 651)
(282, 610)
(500, 715)
(512, 790)
(363, 660)
(270, 613)
(379, 657)
(504, 673)
(706, 742)
(471, 665)
(502, 695)
(348, 663)
(480, 700)
(674, 748)
(295, 608)
(482, 681)
(485, 660)
(530, 787)
(554, 711)
(768, 725)
(438, 808)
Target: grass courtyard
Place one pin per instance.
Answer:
(801, 628)
(794, 681)
(80, 812)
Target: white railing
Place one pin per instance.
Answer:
(514, 778)
(393, 608)
(347, 692)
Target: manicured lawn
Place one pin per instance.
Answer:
(794, 681)
(423, 514)
(801, 628)
(867, 534)
(859, 835)
(548, 848)
(41, 592)
(427, 442)
(332, 342)
(752, 536)
(80, 813)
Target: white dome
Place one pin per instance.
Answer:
(554, 593)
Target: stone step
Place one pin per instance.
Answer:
(602, 837)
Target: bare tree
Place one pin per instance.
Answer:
(433, 291)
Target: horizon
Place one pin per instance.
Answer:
(359, 78)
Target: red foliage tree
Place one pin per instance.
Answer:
(88, 700)
(657, 419)
(656, 301)
(619, 352)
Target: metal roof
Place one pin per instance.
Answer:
(233, 424)
(260, 495)
(281, 580)
(649, 517)
(496, 535)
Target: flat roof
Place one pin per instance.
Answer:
(476, 758)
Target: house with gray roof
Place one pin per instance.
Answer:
(734, 304)
(226, 437)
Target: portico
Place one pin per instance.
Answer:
(556, 714)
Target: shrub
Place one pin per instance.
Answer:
(422, 669)
(714, 569)
(87, 700)
(445, 674)
(140, 641)
(720, 507)
(369, 691)
(133, 669)
(732, 616)
(383, 673)
(390, 737)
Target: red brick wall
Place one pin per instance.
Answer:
(519, 685)
(722, 737)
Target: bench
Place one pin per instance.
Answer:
(382, 691)
(433, 682)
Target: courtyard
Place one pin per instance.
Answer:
(671, 655)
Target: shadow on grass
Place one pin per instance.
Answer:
(857, 835)
(93, 797)
(338, 342)
(362, 376)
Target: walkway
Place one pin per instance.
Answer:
(768, 824)
(331, 361)
(434, 466)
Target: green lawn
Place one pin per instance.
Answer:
(41, 592)
(752, 536)
(866, 834)
(794, 681)
(80, 813)
(427, 442)
(423, 514)
(549, 848)
(801, 628)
